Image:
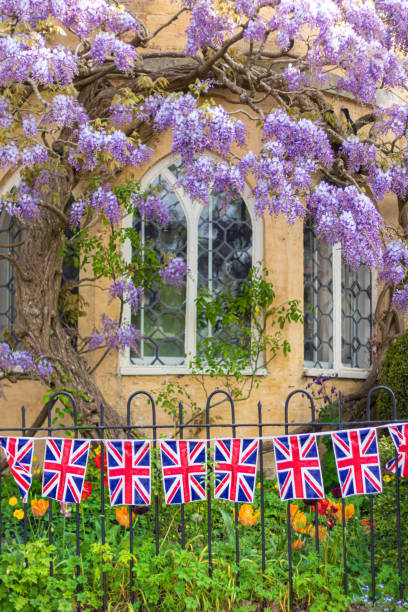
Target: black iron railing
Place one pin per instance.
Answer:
(155, 431)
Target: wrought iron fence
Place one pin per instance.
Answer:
(156, 431)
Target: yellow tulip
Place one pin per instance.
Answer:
(18, 514)
(13, 501)
(387, 478)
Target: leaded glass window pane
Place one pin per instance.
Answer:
(351, 300)
(318, 301)
(356, 316)
(10, 232)
(161, 320)
(224, 259)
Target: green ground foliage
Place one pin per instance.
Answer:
(178, 579)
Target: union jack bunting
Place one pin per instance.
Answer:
(184, 470)
(19, 455)
(357, 460)
(298, 467)
(235, 469)
(399, 435)
(64, 469)
(129, 472)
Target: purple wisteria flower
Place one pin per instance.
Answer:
(29, 125)
(96, 144)
(175, 271)
(152, 208)
(106, 45)
(11, 359)
(126, 290)
(65, 111)
(347, 216)
(115, 336)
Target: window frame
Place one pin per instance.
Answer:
(339, 370)
(192, 211)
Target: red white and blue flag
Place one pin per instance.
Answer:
(19, 455)
(129, 473)
(235, 469)
(184, 468)
(298, 467)
(64, 469)
(399, 435)
(357, 460)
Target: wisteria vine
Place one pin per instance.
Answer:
(309, 161)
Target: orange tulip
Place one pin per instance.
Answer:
(367, 524)
(297, 544)
(322, 532)
(294, 508)
(298, 519)
(246, 515)
(122, 516)
(348, 512)
(39, 506)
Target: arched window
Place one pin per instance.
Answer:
(338, 307)
(220, 244)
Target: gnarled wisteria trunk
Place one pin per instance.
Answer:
(38, 321)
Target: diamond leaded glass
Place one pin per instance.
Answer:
(356, 316)
(161, 320)
(318, 300)
(352, 303)
(224, 259)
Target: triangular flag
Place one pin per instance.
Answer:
(19, 455)
(298, 467)
(65, 463)
(399, 435)
(357, 461)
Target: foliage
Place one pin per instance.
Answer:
(74, 114)
(385, 518)
(246, 335)
(26, 584)
(394, 374)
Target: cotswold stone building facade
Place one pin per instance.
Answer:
(220, 246)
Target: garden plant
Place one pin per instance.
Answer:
(177, 578)
(87, 87)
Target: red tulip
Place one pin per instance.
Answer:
(86, 490)
(98, 462)
(323, 506)
(105, 482)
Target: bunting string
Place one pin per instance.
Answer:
(327, 432)
(184, 465)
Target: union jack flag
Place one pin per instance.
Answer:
(298, 467)
(128, 472)
(19, 455)
(64, 469)
(399, 435)
(184, 470)
(357, 460)
(235, 469)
